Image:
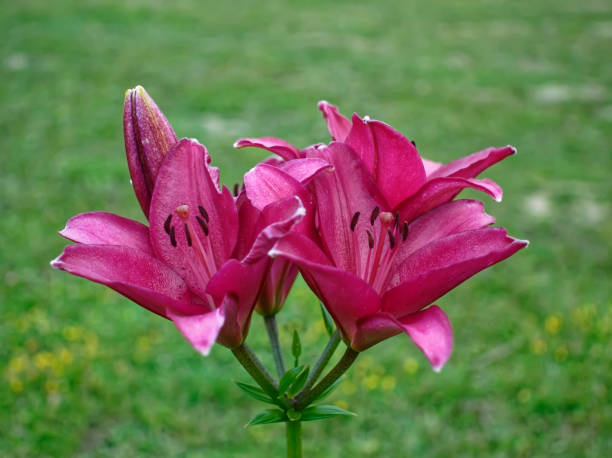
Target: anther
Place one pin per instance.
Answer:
(187, 234)
(370, 240)
(391, 239)
(172, 237)
(396, 222)
(202, 224)
(354, 221)
(413, 143)
(167, 224)
(405, 231)
(236, 189)
(203, 212)
(374, 215)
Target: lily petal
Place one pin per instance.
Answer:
(338, 126)
(471, 166)
(266, 184)
(340, 195)
(275, 145)
(390, 157)
(440, 190)
(374, 329)
(200, 330)
(431, 331)
(185, 181)
(438, 267)
(304, 170)
(101, 228)
(346, 296)
(430, 166)
(133, 273)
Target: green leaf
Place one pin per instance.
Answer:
(329, 389)
(255, 392)
(267, 416)
(288, 378)
(324, 411)
(328, 320)
(300, 380)
(296, 347)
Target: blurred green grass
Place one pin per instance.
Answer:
(86, 373)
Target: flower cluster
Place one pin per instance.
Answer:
(373, 227)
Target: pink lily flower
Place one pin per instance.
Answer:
(391, 239)
(201, 261)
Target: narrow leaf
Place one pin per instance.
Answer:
(267, 416)
(300, 380)
(296, 347)
(255, 392)
(327, 320)
(324, 411)
(288, 379)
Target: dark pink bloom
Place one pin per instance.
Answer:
(201, 261)
(391, 240)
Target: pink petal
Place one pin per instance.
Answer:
(446, 219)
(390, 157)
(185, 180)
(338, 126)
(440, 266)
(101, 228)
(148, 137)
(235, 288)
(346, 296)
(374, 329)
(431, 331)
(276, 287)
(304, 170)
(131, 272)
(200, 330)
(340, 194)
(440, 190)
(275, 145)
(430, 166)
(471, 166)
(266, 184)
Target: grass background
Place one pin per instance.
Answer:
(84, 372)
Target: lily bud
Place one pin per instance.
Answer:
(276, 287)
(148, 137)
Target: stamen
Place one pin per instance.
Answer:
(183, 212)
(167, 224)
(391, 239)
(172, 237)
(396, 222)
(236, 189)
(202, 224)
(370, 239)
(203, 212)
(374, 215)
(405, 231)
(354, 221)
(412, 141)
(386, 219)
(187, 235)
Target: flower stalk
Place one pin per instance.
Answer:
(294, 439)
(256, 369)
(326, 355)
(277, 353)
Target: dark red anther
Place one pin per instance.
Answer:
(236, 189)
(187, 235)
(202, 224)
(413, 143)
(391, 239)
(396, 222)
(405, 231)
(167, 224)
(172, 237)
(203, 212)
(374, 215)
(370, 240)
(354, 220)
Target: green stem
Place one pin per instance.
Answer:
(253, 366)
(294, 439)
(277, 353)
(328, 352)
(305, 398)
